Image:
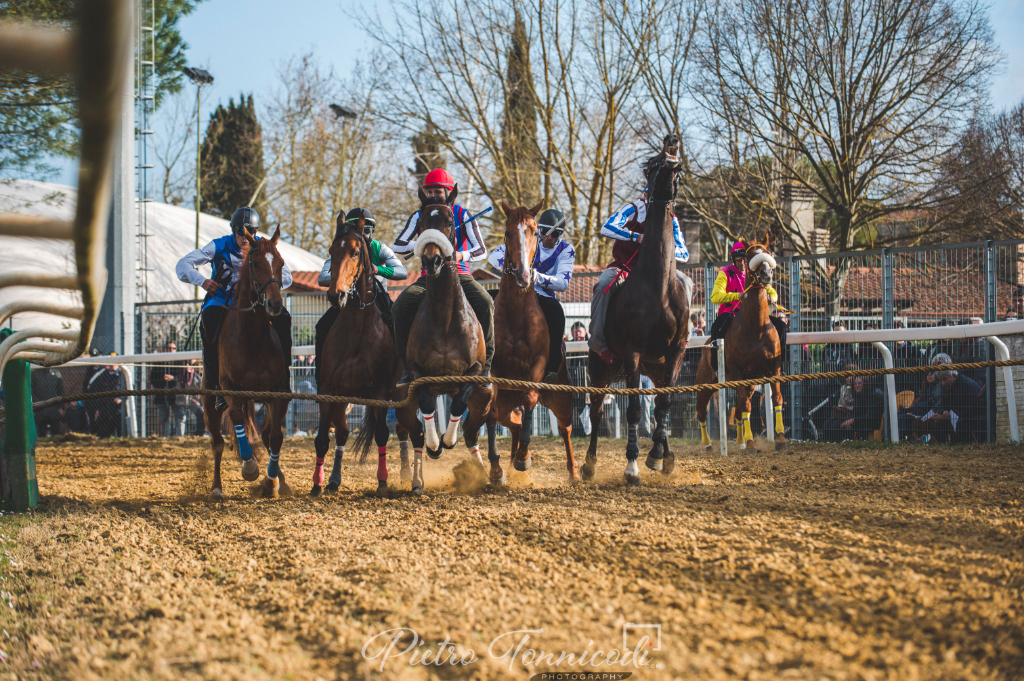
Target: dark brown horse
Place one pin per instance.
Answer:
(752, 350)
(446, 339)
(251, 358)
(647, 325)
(521, 350)
(358, 359)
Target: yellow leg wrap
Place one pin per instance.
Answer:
(779, 427)
(746, 426)
(739, 430)
(705, 439)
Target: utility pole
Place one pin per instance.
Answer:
(342, 113)
(200, 78)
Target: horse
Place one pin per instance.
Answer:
(251, 358)
(358, 359)
(647, 325)
(445, 339)
(752, 350)
(521, 346)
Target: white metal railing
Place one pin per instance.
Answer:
(97, 53)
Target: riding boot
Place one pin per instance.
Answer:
(209, 329)
(717, 332)
(323, 327)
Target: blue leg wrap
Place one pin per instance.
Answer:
(244, 450)
(335, 478)
(273, 468)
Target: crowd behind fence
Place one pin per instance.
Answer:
(910, 287)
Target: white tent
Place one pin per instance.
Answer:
(173, 232)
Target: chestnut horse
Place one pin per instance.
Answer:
(647, 325)
(445, 339)
(251, 358)
(752, 350)
(521, 346)
(358, 359)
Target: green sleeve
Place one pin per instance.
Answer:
(382, 269)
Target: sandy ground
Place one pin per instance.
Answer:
(826, 562)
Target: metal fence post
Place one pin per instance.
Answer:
(18, 463)
(796, 389)
(887, 290)
(710, 312)
(990, 316)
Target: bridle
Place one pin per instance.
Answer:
(508, 269)
(353, 290)
(451, 220)
(259, 297)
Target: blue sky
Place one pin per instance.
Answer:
(242, 43)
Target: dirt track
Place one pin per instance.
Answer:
(827, 562)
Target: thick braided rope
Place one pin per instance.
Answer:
(517, 385)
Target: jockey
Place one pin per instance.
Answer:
(627, 228)
(227, 253)
(552, 269)
(385, 263)
(730, 284)
(469, 248)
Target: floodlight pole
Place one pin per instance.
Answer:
(199, 77)
(342, 113)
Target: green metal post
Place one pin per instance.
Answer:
(18, 463)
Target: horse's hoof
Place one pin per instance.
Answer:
(587, 472)
(250, 470)
(434, 453)
(751, 447)
(655, 464)
(382, 488)
(445, 445)
(332, 487)
(633, 480)
(669, 464)
(781, 446)
(406, 474)
(216, 495)
(523, 465)
(418, 491)
(707, 448)
(271, 488)
(500, 482)
(315, 492)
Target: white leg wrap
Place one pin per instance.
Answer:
(475, 453)
(632, 469)
(451, 436)
(417, 469)
(430, 432)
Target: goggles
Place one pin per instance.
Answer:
(551, 230)
(368, 225)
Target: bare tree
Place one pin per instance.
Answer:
(175, 149)
(321, 164)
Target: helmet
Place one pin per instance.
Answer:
(245, 218)
(368, 222)
(439, 177)
(738, 250)
(551, 223)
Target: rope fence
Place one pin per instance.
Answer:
(507, 383)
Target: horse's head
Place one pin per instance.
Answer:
(348, 258)
(520, 242)
(263, 266)
(760, 263)
(435, 244)
(662, 171)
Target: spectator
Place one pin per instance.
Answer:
(105, 414)
(941, 346)
(1011, 314)
(837, 354)
(960, 396)
(969, 350)
(866, 414)
(579, 332)
(193, 403)
(46, 384)
(170, 409)
(698, 324)
(842, 411)
(926, 401)
(906, 354)
(870, 357)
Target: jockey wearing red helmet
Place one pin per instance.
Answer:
(437, 186)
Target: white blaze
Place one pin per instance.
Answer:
(527, 264)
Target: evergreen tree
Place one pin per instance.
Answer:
(38, 112)
(519, 126)
(232, 158)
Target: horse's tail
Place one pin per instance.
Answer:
(251, 431)
(366, 431)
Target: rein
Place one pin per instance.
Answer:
(259, 297)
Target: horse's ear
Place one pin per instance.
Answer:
(248, 237)
(455, 193)
(536, 209)
(505, 208)
(277, 235)
(767, 234)
(423, 197)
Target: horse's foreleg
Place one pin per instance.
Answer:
(561, 405)
(407, 417)
(460, 403)
(744, 437)
(479, 411)
(213, 419)
(781, 442)
(497, 475)
(403, 449)
(521, 456)
(321, 444)
(340, 420)
(274, 482)
(589, 468)
(704, 375)
(661, 457)
(236, 415)
(428, 407)
(631, 364)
